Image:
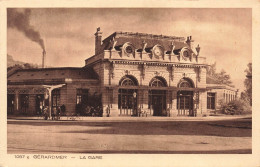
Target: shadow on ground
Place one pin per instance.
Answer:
(224, 128)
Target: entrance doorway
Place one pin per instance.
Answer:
(185, 103)
(24, 103)
(185, 97)
(157, 97)
(39, 104)
(127, 103)
(127, 96)
(10, 103)
(157, 102)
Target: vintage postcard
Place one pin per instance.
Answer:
(111, 83)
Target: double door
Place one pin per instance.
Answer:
(39, 104)
(185, 103)
(157, 102)
(127, 102)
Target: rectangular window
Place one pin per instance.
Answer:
(211, 97)
(24, 103)
(82, 96)
(56, 98)
(10, 103)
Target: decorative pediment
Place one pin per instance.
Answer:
(186, 54)
(158, 52)
(128, 50)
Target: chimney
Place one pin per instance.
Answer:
(43, 58)
(189, 41)
(98, 40)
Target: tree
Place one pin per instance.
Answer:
(211, 70)
(224, 78)
(247, 94)
(14, 66)
(23, 66)
(220, 78)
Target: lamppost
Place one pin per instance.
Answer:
(134, 109)
(194, 105)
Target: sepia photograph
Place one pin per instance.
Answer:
(97, 81)
(95, 75)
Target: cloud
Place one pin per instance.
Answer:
(21, 21)
(223, 34)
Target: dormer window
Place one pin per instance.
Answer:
(158, 52)
(128, 49)
(185, 53)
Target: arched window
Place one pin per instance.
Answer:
(185, 83)
(157, 96)
(128, 81)
(56, 98)
(127, 96)
(158, 82)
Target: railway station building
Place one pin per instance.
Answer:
(156, 74)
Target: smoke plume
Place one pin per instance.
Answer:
(21, 21)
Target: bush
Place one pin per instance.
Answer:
(236, 107)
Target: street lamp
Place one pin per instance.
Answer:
(195, 105)
(134, 111)
(134, 94)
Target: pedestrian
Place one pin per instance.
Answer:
(98, 111)
(63, 108)
(168, 112)
(92, 111)
(108, 111)
(139, 112)
(45, 112)
(88, 111)
(54, 112)
(58, 113)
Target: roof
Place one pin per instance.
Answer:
(13, 70)
(53, 73)
(137, 40)
(211, 80)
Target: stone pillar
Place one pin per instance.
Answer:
(114, 111)
(16, 102)
(50, 102)
(174, 110)
(195, 103)
(145, 102)
(168, 102)
(202, 110)
(107, 101)
(71, 99)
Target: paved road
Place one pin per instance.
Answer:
(131, 136)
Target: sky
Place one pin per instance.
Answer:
(224, 35)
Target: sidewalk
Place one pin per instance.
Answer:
(177, 118)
